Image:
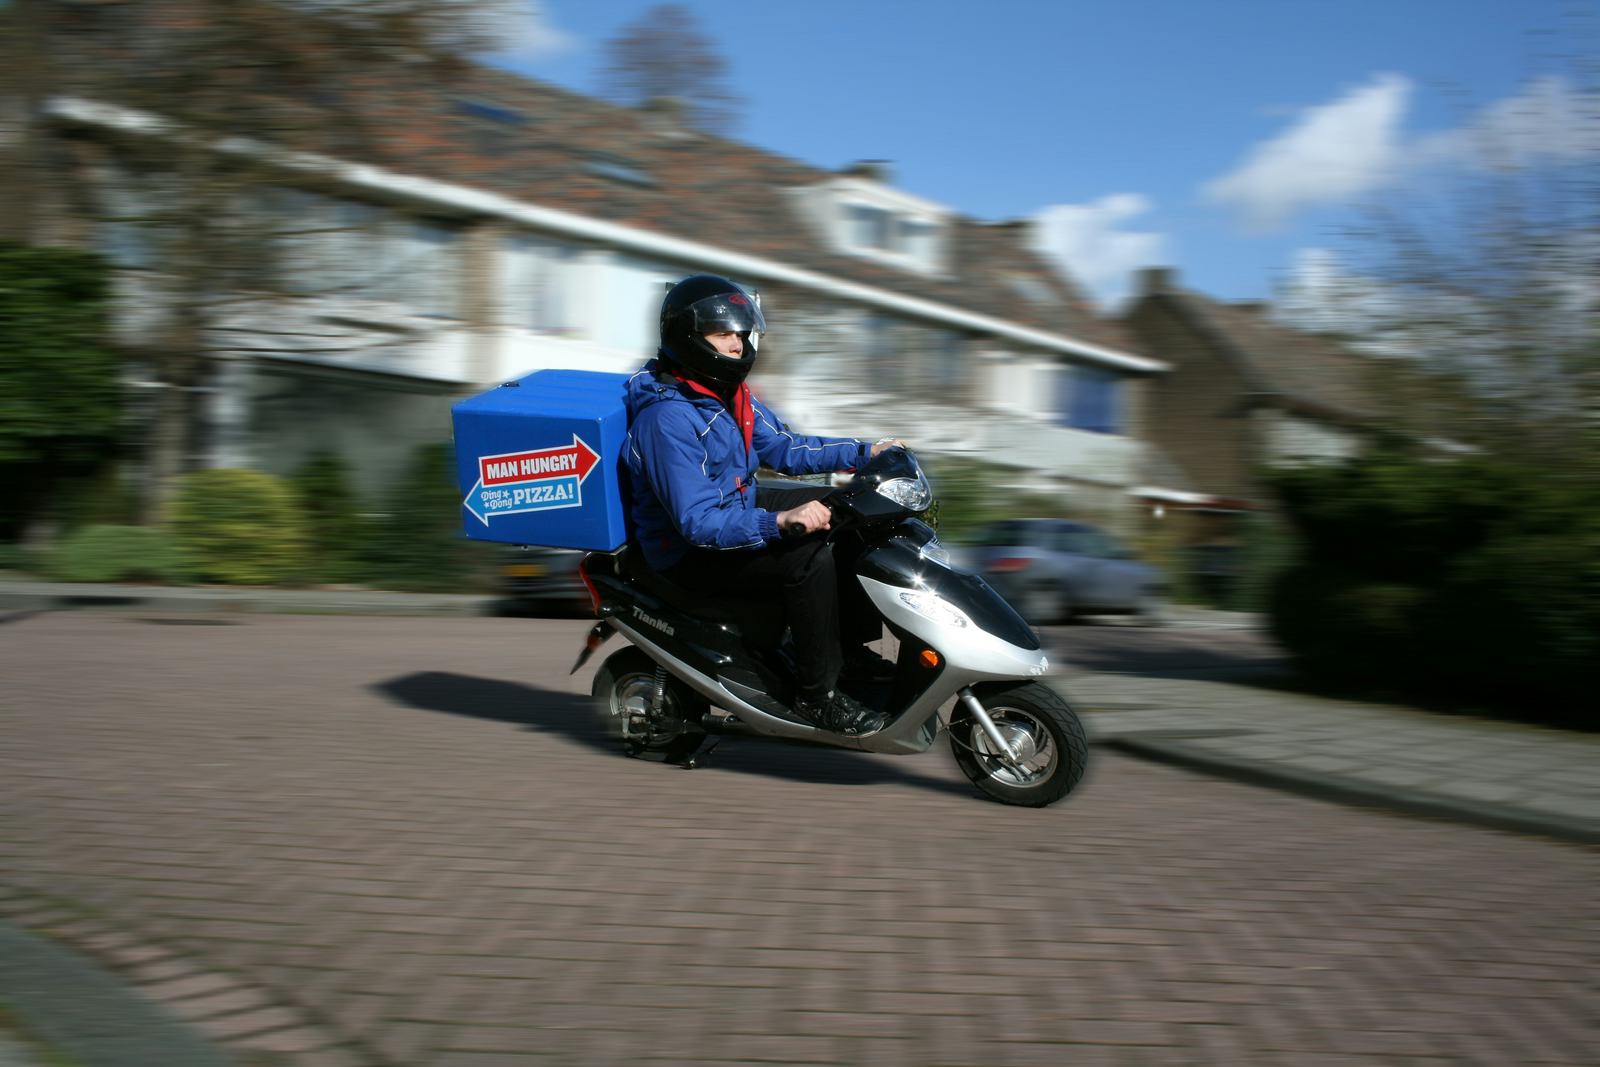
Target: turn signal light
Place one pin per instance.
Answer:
(929, 658)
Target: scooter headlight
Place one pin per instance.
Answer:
(913, 494)
(936, 608)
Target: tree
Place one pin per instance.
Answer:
(221, 91)
(60, 385)
(1489, 277)
(664, 54)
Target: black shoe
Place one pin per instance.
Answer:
(841, 713)
(865, 665)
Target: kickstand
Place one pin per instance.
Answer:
(699, 758)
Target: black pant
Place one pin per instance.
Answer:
(801, 576)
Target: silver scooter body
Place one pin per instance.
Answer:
(959, 632)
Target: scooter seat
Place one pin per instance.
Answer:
(759, 622)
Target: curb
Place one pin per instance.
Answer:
(101, 995)
(1355, 792)
(79, 1011)
(33, 597)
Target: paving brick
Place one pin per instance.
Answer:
(414, 845)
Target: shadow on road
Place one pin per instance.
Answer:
(571, 716)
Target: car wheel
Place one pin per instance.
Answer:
(1151, 609)
(1043, 605)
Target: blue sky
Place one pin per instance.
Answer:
(1227, 138)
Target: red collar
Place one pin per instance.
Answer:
(739, 406)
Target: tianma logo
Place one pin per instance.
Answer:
(650, 620)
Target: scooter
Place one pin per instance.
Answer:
(700, 669)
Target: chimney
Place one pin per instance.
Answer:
(873, 170)
(666, 115)
(1153, 281)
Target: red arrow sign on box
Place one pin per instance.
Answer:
(559, 462)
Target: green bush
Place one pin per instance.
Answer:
(417, 544)
(240, 527)
(15, 557)
(117, 554)
(967, 498)
(335, 527)
(1471, 582)
(61, 391)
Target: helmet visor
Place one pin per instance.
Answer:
(732, 312)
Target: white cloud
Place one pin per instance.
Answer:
(1330, 154)
(1335, 153)
(1084, 241)
(1548, 122)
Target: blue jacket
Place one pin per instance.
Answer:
(691, 476)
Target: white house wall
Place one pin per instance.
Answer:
(608, 280)
(1291, 438)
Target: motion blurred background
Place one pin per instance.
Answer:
(1297, 307)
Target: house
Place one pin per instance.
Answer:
(1245, 392)
(476, 226)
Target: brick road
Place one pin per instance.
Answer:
(401, 841)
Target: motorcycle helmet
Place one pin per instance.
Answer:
(706, 303)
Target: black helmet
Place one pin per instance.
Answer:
(705, 304)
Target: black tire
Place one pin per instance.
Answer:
(1056, 752)
(1151, 609)
(623, 690)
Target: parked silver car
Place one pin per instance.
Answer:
(1052, 569)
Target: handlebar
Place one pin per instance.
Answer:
(795, 529)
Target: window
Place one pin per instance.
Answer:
(426, 276)
(947, 360)
(132, 230)
(617, 169)
(328, 246)
(914, 238)
(490, 112)
(630, 319)
(870, 227)
(880, 350)
(877, 229)
(1091, 399)
(539, 284)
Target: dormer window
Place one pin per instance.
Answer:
(860, 216)
(876, 229)
(617, 169)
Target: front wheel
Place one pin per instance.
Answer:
(625, 699)
(1051, 751)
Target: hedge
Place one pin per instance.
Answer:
(1470, 583)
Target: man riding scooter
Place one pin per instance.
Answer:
(696, 437)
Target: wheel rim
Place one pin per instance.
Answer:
(630, 711)
(1028, 736)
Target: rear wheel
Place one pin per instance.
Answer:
(625, 700)
(1051, 751)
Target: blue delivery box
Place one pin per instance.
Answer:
(538, 460)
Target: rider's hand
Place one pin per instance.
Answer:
(888, 442)
(811, 516)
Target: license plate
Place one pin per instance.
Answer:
(524, 570)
